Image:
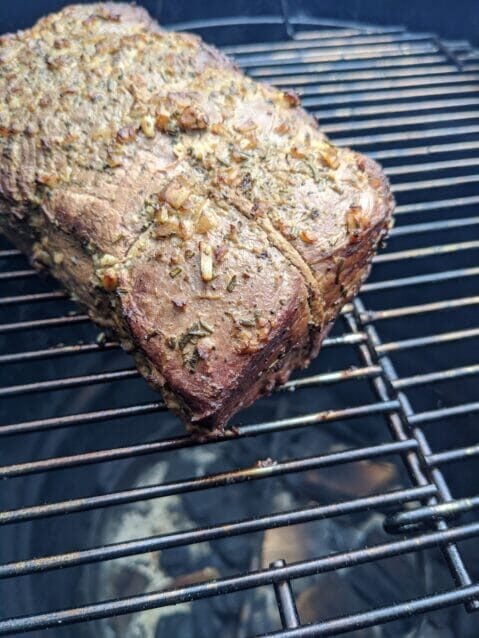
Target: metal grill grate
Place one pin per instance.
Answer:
(412, 102)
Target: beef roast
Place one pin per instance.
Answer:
(202, 216)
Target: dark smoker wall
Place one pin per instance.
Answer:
(448, 18)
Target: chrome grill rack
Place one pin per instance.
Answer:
(412, 102)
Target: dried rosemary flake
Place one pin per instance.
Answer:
(171, 342)
(337, 189)
(206, 326)
(162, 215)
(176, 193)
(207, 221)
(174, 272)
(196, 331)
(231, 284)
(191, 362)
(247, 323)
(212, 296)
(101, 339)
(313, 171)
(184, 340)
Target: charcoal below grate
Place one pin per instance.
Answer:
(248, 613)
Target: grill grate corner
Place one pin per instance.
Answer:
(412, 102)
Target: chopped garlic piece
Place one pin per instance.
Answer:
(176, 194)
(161, 215)
(206, 262)
(108, 260)
(206, 222)
(148, 126)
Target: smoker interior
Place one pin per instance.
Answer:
(374, 445)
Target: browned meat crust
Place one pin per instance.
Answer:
(201, 215)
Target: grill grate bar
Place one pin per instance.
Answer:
(452, 456)
(255, 472)
(393, 171)
(288, 75)
(447, 224)
(470, 67)
(370, 30)
(245, 581)
(392, 95)
(382, 615)
(393, 313)
(332, 377)
(430, 278)
(418, 151)
(69, 382)
(419, 342)
(366, 74)
(395, 108)
(383, 138)
(61, 462)
(10, 252)
(426, 252)
(444, 413)
(384, 57)
(80, 419)
(59, 351)
(52, 295)
(371, 85)
(285, 600)
(324, 42)
(258, 65)
(17, 274)
(200, 535)
(434, 377)
(435, 183)
(389, 122)
(411, 520)
(51, 322)
(454, 202)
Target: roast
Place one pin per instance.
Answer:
(201, 216)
